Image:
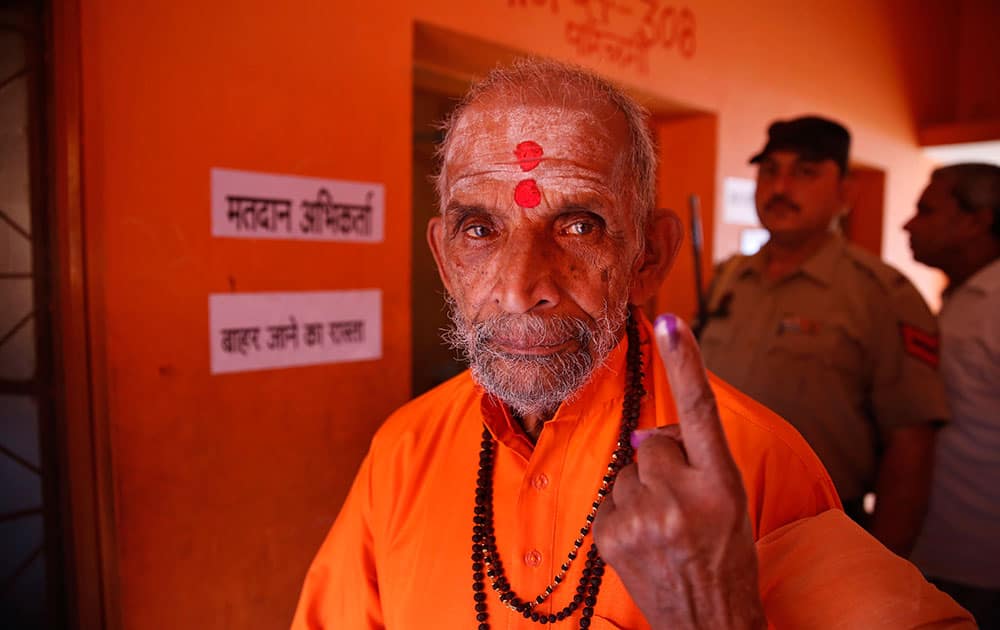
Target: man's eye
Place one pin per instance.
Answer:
(478, 231)
(806, 171)
(580, 228)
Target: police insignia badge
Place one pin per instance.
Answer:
(920, 344)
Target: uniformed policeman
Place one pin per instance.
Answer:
(829, 336)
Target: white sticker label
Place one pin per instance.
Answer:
(262, 205)
(738, 205)
(259, 331)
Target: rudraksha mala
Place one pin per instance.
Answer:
(485, 559)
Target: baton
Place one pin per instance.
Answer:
(694, 203)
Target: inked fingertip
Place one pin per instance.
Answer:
(639, 436)
(666, 324)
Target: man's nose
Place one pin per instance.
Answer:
(909, 224)
(525, 277)
(779, 183)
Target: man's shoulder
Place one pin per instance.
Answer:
(890, 292)
(751, 426)
(783, 478)
(732, 260)
(731, 267)
(883, 276)
(432, 411)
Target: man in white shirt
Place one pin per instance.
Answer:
(957, 230)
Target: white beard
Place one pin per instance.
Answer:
(531, 384)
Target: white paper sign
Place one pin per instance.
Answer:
(258, 331)
(738, 201)
(261, 205)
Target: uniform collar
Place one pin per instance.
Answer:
(820, 266)
(986, 280)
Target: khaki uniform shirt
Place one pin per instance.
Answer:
(844, 348)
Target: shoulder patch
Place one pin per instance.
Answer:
(920, 344)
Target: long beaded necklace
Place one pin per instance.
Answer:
(485, 559)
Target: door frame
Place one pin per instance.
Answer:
(83, 432)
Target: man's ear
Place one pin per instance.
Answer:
(664, 235)
(435, 238)
(848, 183)
(984, 217)
(847, 190)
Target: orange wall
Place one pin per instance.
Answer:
(225, 485)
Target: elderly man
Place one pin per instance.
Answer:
(573, 476)
(957, 230)
(831, 338)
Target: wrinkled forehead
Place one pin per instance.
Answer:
(487, 133)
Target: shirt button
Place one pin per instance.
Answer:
(533, 558)
(540, 481)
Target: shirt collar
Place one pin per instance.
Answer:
(987, 279)
(820, 266)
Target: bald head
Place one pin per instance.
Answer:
(575, 92)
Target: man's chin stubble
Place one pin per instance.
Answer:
(533, 385)
(536, 384)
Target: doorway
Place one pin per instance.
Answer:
(433, 362)
(862, 223)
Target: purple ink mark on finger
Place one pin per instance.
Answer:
(639, 436)
(669, 322)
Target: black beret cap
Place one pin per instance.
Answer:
(812, 137)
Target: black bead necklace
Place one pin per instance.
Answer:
(485, 560)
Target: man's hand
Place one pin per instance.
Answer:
(675, 527)
(903, 487)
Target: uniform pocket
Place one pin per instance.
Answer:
(820, 345)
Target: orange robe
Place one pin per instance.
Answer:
(399, 554)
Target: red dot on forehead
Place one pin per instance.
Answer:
(528, 154)
(526, 193)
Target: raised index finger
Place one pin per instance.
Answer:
(698, 415)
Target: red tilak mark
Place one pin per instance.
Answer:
(526, 193)
(529, 154)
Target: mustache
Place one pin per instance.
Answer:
(533, 383)
(531, 330)
(776, 199)
(480, 339)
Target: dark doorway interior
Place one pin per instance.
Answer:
(433, 362)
